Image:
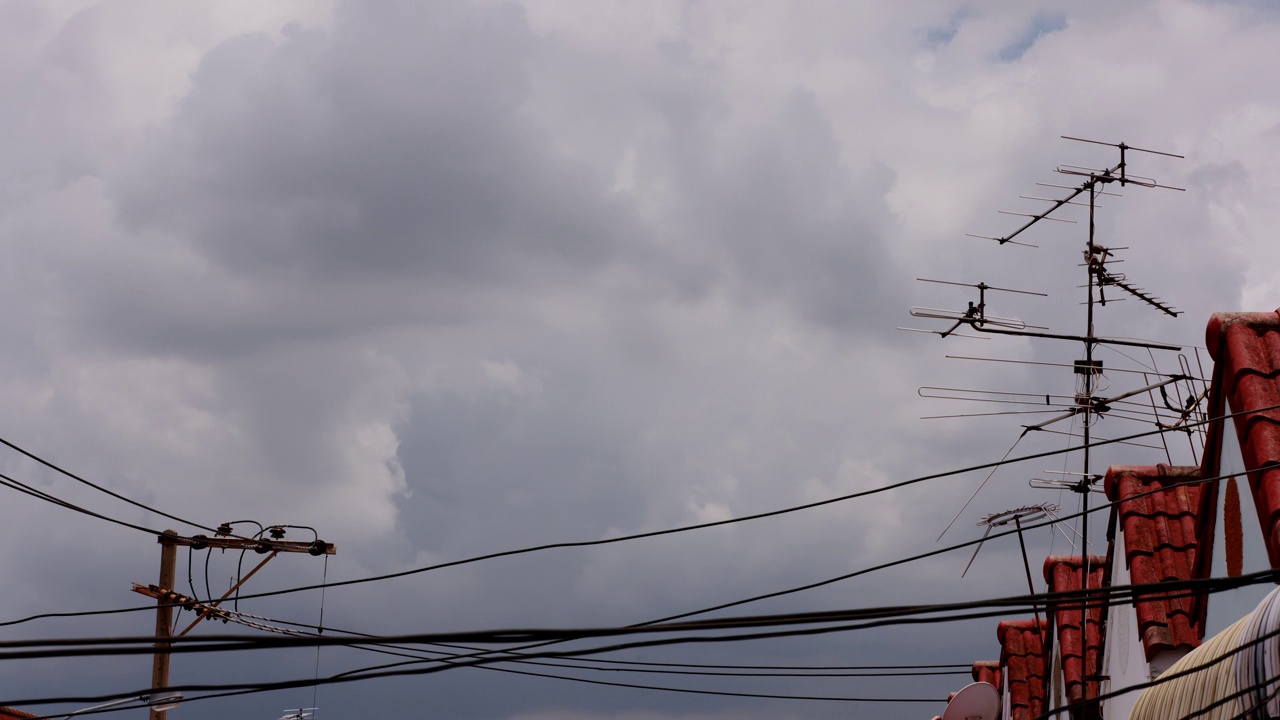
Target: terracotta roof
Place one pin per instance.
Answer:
(1078, 661)
(1022, 654)
(1246, 351)
(1168, 534)
(988, 671)
(8, 712)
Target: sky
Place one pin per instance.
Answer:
(451, 278)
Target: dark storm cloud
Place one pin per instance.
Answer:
(449, 278)
(391, 168)
(367, 155)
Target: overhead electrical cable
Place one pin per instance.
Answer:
(617, 666)
(1014, 531)
(846, 576)
(9, 482)
(882, 566)
(1095, 599)
(591, 666)
(723, 693)
(596, 668)
(743, 518)
(101, 489)
(870, 617)
(957, 667)
(249, 688)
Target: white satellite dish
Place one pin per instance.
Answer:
(979, 701)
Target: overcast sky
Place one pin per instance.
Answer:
(446, 278)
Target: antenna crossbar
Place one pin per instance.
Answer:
(982, 286)
(1039, 217)
(1123, 146)
(1044, 199)
(1072, 187)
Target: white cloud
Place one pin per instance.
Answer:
(448, 279)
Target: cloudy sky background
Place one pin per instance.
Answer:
(441, 279)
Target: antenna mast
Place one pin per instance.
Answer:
(1086, 404)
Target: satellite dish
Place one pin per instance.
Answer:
(979, 701)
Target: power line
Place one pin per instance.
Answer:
(594, 666)
(710, 670)
(9, 482)
(921, 556)
(882, 566)
(99, 488)
(877, 617)
(1154, 588)
(715, 692)
(744, 518)
(1120, 594)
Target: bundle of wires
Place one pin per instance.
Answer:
(1224, 688)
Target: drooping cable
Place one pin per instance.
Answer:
(11, 483)
(740, 519)
(101, 489)
(247, 688)
(901, 561)
(320, 629)
(814, 623)
(828, 581)
(624, 666)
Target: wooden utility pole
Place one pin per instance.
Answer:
(165, 596)
(164, 621)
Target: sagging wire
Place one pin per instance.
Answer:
(982, 484)
(315, 689)
(1218, 584)
(277, 532)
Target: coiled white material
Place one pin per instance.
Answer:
(1256, 666)
(1191, 693)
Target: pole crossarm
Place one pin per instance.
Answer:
(167, 598)
(261, 546)
(210, 608)
(173, 597)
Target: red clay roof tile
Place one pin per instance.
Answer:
(1063, 575)
(1023, 653)
(1246, 350)
(988, 671)
(1168, 533)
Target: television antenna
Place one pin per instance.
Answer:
(1087, 404)
(299, 714)
(1015, 517)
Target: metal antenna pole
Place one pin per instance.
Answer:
(1026, 564)
(1088, 416)
(1085, 406)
